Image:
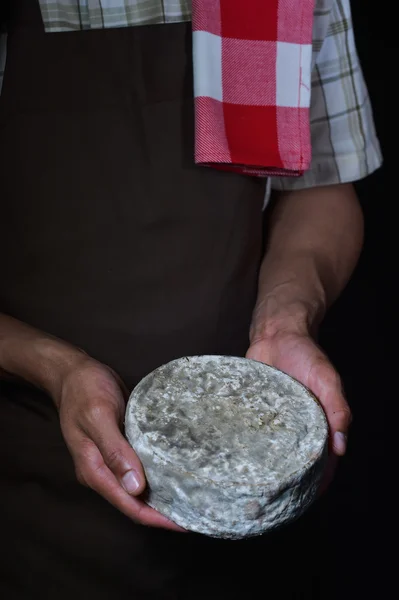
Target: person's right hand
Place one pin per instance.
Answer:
(91, 403)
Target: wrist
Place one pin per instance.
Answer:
(35, 357)
(295, 302)
(57, 359)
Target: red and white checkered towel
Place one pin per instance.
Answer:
(252, 69)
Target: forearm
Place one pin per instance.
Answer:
(34, 356)
(314, 242)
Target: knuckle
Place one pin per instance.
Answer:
(114, 458)
(344, 410)
(97, 413)
(89, 474)
(345, 414)
(85, 452)
(99, 416)
(88, 463)
(348, 414)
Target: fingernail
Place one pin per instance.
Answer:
(340, 442)
(130, 482)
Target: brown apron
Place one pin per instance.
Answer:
(112, 239)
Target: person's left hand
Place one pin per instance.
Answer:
(299, 356)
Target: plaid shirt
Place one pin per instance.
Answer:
(345, 147)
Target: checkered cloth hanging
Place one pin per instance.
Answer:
(252, 74)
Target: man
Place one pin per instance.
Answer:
(119, 254)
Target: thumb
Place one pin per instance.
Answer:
(116, 452)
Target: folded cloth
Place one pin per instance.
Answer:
(252, 68)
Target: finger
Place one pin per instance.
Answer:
(260, 352)
(93, 472)
(101, 426)
(326, 384)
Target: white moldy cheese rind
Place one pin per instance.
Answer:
(231, 447)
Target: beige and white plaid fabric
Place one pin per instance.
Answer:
(344, 143)
(345, 147)
(67, 15)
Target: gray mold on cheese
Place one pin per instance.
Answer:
(231, 447)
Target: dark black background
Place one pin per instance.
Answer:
(356, 522)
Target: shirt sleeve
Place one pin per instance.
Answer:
(345, 147)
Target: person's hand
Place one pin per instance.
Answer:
(299, 356)
(91, 403)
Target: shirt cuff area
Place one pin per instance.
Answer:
(330, 170)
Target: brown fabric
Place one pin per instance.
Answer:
(111, 239)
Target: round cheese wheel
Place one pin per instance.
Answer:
(231, 447)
